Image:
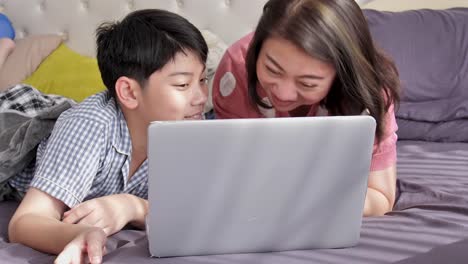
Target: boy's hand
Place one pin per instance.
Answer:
(111, 213)
(91, 242)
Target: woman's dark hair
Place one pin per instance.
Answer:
(142, 43)
(336, 32)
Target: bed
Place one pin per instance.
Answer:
(429, 223)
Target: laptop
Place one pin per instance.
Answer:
(257, 185)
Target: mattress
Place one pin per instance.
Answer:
(429, 221)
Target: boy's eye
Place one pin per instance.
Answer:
(182, 86)
(204, 80)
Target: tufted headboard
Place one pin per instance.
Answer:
(76, 20)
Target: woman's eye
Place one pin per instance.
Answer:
(272, 71)
(308, 85)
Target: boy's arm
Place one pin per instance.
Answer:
(36, 223)
(141, 210)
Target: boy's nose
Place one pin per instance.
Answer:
(200, 96)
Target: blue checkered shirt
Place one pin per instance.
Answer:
(86, 156)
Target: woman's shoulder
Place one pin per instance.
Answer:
(231, 68)
(238, 50)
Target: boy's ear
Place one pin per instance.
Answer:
(127, 92)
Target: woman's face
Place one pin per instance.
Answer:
(290, 77)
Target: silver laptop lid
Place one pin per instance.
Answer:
(257, 185)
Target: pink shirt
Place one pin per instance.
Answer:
(231, 100)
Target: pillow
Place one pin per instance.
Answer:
(7, 46)
(216, 49)
(28, 53)
(430, 50)
(6, 28)
(434, 111)
(450, 131)
(67, 73)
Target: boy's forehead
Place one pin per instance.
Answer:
(182, 64)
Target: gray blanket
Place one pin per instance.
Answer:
(26, 118)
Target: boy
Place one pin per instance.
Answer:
(94, 162)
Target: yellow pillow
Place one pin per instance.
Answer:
(67, 73)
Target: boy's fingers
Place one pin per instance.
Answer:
(66, 213)
(70, 254)
(107, 230)
(90, 219)
(76, 214)
(95, 242)
(102, 224)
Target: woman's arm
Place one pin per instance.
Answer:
(381, 188)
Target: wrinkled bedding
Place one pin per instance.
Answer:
(430, 219)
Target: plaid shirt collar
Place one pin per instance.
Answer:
(122, 143)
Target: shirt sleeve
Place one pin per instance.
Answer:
(384, 153)
(230, 96)
(70, 160)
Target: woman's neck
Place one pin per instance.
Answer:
(300, 111)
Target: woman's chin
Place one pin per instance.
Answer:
(285, 108)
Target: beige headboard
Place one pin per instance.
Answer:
(76, 20)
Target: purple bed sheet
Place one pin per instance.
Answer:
(430, 219)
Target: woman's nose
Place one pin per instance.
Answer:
(286, 91)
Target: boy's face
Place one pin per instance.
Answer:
(178, 91)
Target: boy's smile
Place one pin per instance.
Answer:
(196, 116)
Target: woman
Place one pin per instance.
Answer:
(310, 58)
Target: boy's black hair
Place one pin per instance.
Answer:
(142, 43)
